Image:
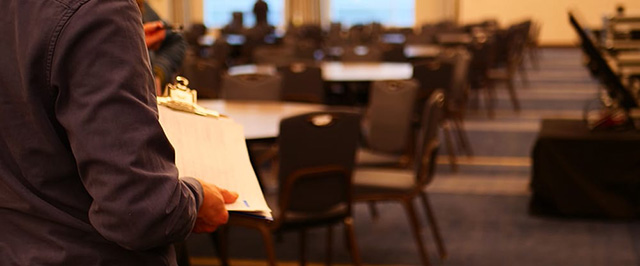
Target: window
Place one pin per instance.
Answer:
(399, 13)
(217, 13)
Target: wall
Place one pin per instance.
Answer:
(552, 14)
(163, 8)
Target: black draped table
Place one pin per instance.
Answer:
(579, 173)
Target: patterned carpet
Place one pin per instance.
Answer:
(482, 208)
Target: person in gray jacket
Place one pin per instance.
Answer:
(87, 175)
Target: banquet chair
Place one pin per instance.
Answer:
(532, 45)
(387, 129)
(254, 87)
(507, 60)
(361, 53)
(316, 160)
(274, 55)
(457, 96)
(432, 75)
(302, 83)
(393, 53)
(405, 185)
(204, 75)
(261, 87)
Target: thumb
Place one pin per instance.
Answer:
(228, 196)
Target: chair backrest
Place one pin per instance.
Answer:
(432, 74)
(393, 53)
(518, 37)
(388, 123)
(221, 51)
(302, 83)
(274, 55)
(362, 53)
(482, 57)
(262, 87)
(457, 93)
(317, 155)
(427, 138)
(203, 74)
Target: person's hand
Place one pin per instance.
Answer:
(154, 34)
(213, 212)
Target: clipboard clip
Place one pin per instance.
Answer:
(179, 97)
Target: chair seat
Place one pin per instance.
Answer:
(375, 181)
(366, 157)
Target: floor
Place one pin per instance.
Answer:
(482, 208)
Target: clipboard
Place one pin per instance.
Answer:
(211, 147)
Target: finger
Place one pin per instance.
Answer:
(154, 38)
(228, 196)
(150, 27)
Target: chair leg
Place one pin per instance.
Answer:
(474, 103)
(220, 241)
(452, 154)
(435, 230)
(351, 241)
(373, 210)
(513, 96)
(534, 56)
(462, 136)
(489, 100)
(417, 231)
(523, 75)
(268, 244)
(329, 242)
(303, 240)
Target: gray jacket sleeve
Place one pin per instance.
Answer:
(105, 100)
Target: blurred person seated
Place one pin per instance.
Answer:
(236, 26)
(166, 47)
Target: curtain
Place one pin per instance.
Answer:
(301, 12)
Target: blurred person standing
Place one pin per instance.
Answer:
(87, 175)
(260, 10)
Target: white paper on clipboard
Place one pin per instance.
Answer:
(214, 150)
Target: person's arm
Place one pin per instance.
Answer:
(105, 101)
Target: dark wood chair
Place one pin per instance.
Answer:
(404, 185)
